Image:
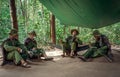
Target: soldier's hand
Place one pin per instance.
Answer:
(19, 49)
(34, 49)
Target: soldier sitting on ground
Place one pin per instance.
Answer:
(15, 50)
(72, 44)
(31, 45)
(101, 47)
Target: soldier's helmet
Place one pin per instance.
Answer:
(75, 30)
(13, 32)
(32, 33)
(96, 32)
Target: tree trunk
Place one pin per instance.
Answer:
(52, 27)
(13, 14)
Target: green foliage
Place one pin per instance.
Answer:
(32, 15)
(5, 23)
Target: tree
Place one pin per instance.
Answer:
(13, 14)
(52, 27)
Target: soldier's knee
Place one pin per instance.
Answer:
(16, 52)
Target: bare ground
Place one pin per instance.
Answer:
(66, 67)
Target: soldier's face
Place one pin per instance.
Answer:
(10, 36)
(74, 33)
(32, 36)
(97, 37)
(14, 36)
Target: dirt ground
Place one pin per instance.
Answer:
(65, 67)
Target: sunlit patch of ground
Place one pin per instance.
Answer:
(56, 53)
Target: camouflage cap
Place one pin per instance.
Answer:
(13, 32)
(96, 32)
(74, 30)
(32, 33)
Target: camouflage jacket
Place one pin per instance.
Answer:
(11, 44)
(103, 41)
(30, 43)
(72, 39)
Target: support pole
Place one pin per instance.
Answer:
(52, 29)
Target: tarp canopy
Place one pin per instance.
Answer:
(85, 13)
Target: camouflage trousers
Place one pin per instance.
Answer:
(95, 52)
(36, 52)
(17, 56)
(67, 48)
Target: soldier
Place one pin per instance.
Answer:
(72, 44)
(101, 47)
(31, 45)
(15, 50)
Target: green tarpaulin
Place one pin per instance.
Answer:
(85, 13)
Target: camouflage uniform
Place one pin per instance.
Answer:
(30, 44)
(99, 48)
(72, 44)
(11, 46)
